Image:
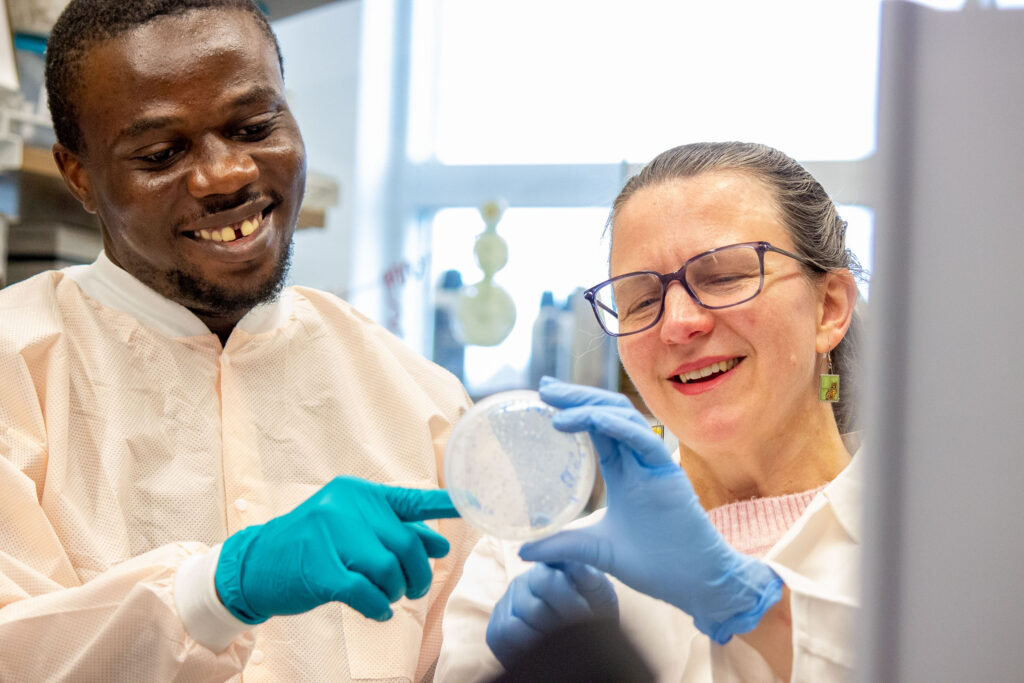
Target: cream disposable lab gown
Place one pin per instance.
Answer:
(818, 558)
(130, 441)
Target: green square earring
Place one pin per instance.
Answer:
(828, 385)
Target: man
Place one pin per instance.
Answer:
(172, 421)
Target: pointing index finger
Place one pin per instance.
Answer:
(416, 505)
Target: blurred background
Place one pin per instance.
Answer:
(416, 113)
(464, 154)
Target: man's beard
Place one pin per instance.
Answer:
(211, 299)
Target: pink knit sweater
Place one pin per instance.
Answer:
(754, 526)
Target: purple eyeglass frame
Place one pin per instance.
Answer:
(680, 276)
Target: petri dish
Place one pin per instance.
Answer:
(511, 474)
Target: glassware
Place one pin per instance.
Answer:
(511, 474)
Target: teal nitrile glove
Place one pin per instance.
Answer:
(353, 541)
(655, 536)
(544, 599)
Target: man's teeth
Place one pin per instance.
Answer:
(231, 233)
(720, 366)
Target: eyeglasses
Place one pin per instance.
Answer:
(718, 278)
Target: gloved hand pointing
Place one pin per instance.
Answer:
(655, 536)
(544, 599)
(354, 541)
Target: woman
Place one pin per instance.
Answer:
(733, 300)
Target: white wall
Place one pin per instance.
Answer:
(321, 50)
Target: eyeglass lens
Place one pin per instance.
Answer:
(726, 277)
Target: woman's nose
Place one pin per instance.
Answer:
(683, 318)
(221, 167)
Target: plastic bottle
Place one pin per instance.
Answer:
(544, 348)
(593, 355)
(449, 350)
(566, 335)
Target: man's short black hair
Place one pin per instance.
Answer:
(85, 23)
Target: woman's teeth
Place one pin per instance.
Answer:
(720, 366)
(230, 233)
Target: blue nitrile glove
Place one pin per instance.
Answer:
(655, 536)
(353, 541)
(544, 599)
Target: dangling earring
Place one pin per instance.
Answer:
(828, 386)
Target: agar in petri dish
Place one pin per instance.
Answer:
(511, 474)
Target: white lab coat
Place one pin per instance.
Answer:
(818, 558)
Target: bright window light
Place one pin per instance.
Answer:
(579, 81)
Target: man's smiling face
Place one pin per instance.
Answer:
(192, 159)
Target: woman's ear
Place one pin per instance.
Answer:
(75, 175)
(835, 309)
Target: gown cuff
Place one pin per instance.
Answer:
(206, 619)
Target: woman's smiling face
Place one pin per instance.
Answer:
(761, 354)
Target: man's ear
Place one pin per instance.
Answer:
(76, 177)
(835, 310)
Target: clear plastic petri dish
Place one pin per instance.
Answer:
(511, 474)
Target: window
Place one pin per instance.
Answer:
(578, 81)
(549, 104)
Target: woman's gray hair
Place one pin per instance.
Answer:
(818, 232)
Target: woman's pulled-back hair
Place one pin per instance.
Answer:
(818, 233)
